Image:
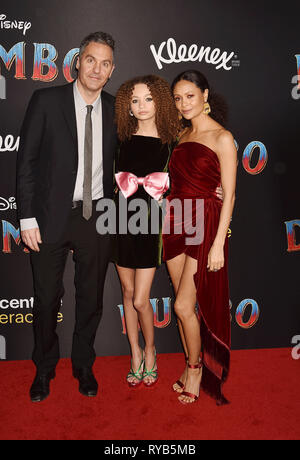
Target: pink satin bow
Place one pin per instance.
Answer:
(155, 184)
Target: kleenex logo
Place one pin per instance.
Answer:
(183, 53)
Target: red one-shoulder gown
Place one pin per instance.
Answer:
(195, 174)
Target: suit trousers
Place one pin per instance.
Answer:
(91, 254)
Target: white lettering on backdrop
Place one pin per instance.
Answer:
(9, 144)
(183, 53)
(14, 24)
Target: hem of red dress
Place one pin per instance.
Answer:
(165, 259)
(211, 383)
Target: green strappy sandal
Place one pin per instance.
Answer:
(152, 373)
(138, 375)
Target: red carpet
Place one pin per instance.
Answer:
(263, 389)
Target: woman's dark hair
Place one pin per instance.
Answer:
(217, 103)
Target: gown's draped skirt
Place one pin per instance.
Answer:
(213, 309)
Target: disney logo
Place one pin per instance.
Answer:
(191, 54)
(14, 24)
(7, 204)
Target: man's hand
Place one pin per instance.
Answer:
(32, 238)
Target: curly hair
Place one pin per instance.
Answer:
(166, 114)
(218, 105)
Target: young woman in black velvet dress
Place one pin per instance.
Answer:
(147, 123)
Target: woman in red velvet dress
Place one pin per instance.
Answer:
(204, 158)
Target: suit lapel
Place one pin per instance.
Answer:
(109, 141)
(68, 107)
(106, 126)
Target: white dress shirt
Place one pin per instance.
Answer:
(97, 170)
(97, 167)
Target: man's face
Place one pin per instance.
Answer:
(95, 66)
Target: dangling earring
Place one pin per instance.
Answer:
(206, 108)
(130, 113)
(179, 116)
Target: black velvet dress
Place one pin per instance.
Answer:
(141, 155)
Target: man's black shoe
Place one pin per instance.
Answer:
(88, 385)
(40, 388)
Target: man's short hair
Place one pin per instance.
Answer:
(97, 37)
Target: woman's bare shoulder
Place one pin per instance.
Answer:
(225, 144)
(224, 136)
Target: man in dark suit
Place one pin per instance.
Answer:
(64, 166)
